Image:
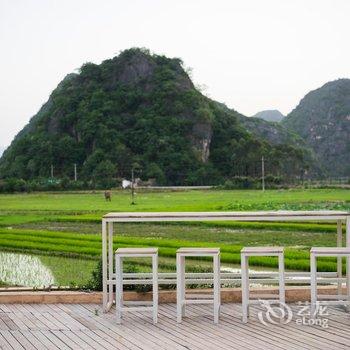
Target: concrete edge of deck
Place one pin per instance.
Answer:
(228, 295)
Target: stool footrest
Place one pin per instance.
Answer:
(197, 301)
(334, 302)
(257, 301)
(138, 303)
(199, 296)
(264, 296)
(333, 297)
(137, 308)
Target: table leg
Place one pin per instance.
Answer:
(340, 259)
(104, 266)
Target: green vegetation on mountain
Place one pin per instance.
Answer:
(140, 110)
(322, 119)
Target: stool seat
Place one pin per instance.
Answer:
(330, 250)
(198, 251)
(262, 250)
(131, 251)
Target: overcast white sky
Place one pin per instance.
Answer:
(250, 54)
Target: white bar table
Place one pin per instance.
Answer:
(109, 219)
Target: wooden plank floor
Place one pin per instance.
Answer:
(83, 326)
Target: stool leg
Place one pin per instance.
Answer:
(281, 276)
(216, 282)
(219, 271)
(119, 288)
(348, 283)
(339, 258)
(245, 287)
(313, 284)
(183, 285)
(155, 287)
(347, 230)
(178, 288)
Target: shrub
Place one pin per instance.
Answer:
(241, 182)
(95, 282)
(13, 185)
(247, 182)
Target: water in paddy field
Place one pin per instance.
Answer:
(24, 270)
(238, 270)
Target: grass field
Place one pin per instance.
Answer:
(60, 227)
(179, 201)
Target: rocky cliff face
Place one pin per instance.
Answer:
(322, 119)
(272, 132)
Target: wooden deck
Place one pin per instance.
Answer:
(83, 326)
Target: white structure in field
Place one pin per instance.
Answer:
(126, 183)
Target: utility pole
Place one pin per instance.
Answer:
(263, 173)
(75, 172)
(132, 187)
(51, 171)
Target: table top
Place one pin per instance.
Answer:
(227, 215)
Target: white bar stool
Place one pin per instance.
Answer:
(315, 252)
(181, 254)
(260, 251)
(122, 253)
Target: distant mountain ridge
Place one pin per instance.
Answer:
(322, 120)
(272, 132)
(270, 115)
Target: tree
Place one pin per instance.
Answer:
(153, 171)
(104, 174)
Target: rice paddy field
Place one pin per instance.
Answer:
(55, 238)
